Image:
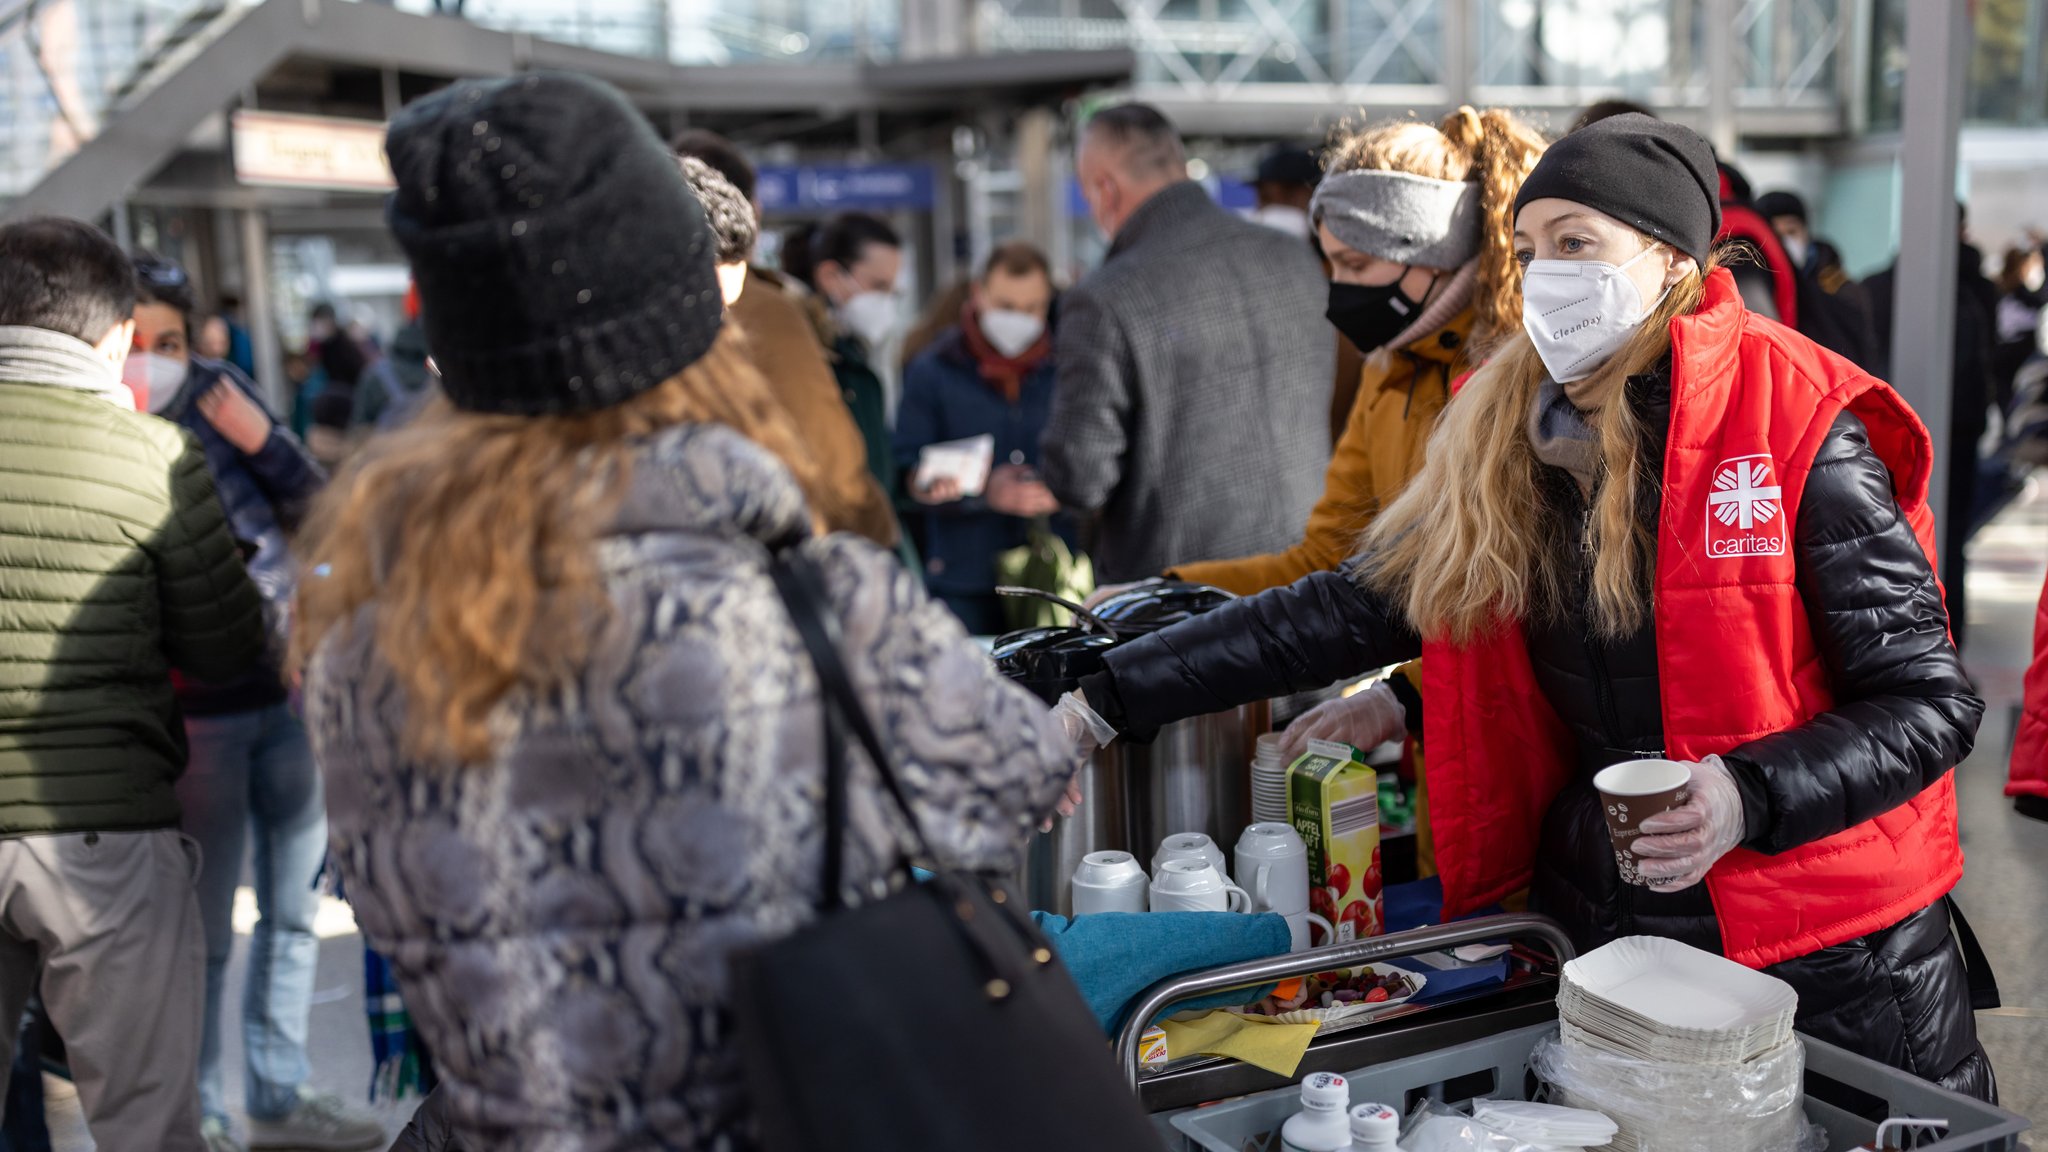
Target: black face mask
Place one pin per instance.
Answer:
(1371, 315)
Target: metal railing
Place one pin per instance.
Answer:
(1253, 973)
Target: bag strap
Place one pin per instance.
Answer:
(1983, 981)
(802, 590)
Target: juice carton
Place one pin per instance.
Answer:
(1152, 1048)
(1334, 801)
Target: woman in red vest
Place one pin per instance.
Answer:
(1655, 525)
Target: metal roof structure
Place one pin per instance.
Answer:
(235, 51)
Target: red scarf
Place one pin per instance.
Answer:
(1003, 373)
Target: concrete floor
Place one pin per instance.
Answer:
(2005, 883)
(2004, 893)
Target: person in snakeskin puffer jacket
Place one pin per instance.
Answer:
(573, 744)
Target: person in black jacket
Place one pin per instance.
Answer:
(1649, 527)
(1832, 310)
(1970, 397)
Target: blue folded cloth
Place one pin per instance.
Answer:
(1114, 956)
(1419, 904)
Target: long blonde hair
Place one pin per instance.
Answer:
(474, 535)
(1471, 542)
(1492, 147)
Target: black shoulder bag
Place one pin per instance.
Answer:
(936, 1019)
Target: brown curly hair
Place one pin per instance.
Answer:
(471, 538)
(1493, 147)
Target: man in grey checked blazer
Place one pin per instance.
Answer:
(1191, 420)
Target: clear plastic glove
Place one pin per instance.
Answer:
(1678, 847)
(1086, 731)
(1108, 590)
(1364, 719)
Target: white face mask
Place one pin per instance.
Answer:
(1283, 218)
(155, 378)
(1011, 332)
(870, 316)
(1579, 312)
(1797, 249)
(2035, 276)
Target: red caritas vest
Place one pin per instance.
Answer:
(1751, 402)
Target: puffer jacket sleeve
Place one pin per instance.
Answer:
(981, 758)
(2029, 772)
(1321, 629)
(212, 614)
(1906, 714)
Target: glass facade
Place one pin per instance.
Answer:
(2008, 82)
(707, 32)
(65, 65)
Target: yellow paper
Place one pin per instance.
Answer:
(1261, 1043)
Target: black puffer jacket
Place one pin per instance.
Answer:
(1906, 714)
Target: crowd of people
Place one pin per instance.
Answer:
(490, 633)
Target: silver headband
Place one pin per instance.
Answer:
(1399, 217)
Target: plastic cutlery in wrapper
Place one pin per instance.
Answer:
(1546, 1125)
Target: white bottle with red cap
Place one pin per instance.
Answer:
(1321, 1125)
(1374, 1128)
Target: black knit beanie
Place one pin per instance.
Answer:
(563, 265)
(1772, 205)
(1655, 176)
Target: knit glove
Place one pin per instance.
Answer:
(1364, 719)
(1677, 848)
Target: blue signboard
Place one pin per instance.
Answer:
(833, 187)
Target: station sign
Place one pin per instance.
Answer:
(282, 150)
(836, 187)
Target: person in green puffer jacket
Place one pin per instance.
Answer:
(116, 566)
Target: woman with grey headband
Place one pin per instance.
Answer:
(1416, 222)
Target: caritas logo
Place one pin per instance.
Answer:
(1743, 510)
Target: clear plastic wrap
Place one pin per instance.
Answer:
(1550, 1126)
(1663, 1107)
(1437, 1127)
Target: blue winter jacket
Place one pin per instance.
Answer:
(945, 398)
(265, 495)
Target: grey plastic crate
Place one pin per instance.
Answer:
(1498, 1067)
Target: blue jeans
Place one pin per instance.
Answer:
(24, 1129)
(251, 778)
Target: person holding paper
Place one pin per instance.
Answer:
(990, 375)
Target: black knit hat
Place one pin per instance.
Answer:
(1772, 205)
(1655, 176)
(563, 265)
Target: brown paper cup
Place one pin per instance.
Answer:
(1632, 792)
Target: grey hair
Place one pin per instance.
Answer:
(731, 216)
(1148, 141)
